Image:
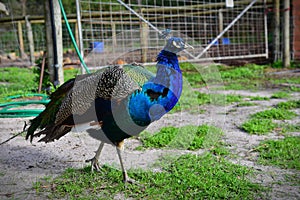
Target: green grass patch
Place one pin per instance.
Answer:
(283, 153)
(280, 95)
(248, 77)
(291, 80)
(289, 105)
(274, 113)
(194, 78)
(258, 126)
(188, 177)
(21, 81)
(188, 100)
(288, 128)
(187, 137)
(262, 122)
(246, 72)
(259, 98)
(16, 81)
(294, 179)
(246, 104)
(218, 99)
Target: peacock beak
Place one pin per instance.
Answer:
(186, 45)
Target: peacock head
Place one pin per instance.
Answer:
(176, 45)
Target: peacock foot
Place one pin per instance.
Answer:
(130, 181)
(94, 164)
(126, 179)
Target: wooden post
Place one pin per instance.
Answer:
(286, 34)
(221, 27)
(21, 41)
(77, 34)
(144, 40)
(30, 40)
(54, 41)
(276, 36)
(114, 35)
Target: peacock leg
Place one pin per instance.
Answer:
(126, 179)
(95, 160)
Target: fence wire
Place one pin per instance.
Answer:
(112, 34)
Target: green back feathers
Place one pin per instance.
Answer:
(77, 95)
(138, 74)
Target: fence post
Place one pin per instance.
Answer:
(114, 34)
(21, 41)
(30, 39)
(276, 36)
(144, 40)
(54, 41)
(221, 27)
(286, 34)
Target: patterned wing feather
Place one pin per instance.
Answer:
(114, 82)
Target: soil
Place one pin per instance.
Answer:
(23, 163)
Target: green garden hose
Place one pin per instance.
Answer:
(72, 37)
(10, 109)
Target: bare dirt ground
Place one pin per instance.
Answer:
(23, 163)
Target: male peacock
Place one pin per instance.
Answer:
(116, 102)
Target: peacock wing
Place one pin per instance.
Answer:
(110, 83)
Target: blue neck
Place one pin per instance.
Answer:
(160, 94)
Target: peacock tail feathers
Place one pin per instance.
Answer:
(48, 115)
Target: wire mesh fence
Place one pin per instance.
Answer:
(10, 41)
(112, 34)
(116, 35)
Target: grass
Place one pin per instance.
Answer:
(259, 98)
(275, 113)
(188, 100)
(258, 126)
(187, 137)
(201, 76)
(280, 95)
(240, 78)
(283, 153)
(246, 103)
(237, 78)
(262, 122)
(288, 128)
(21, 81)
(187, 177)
(293, 104)
(16, 81)
(218, 99)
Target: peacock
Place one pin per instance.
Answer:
(113, 103)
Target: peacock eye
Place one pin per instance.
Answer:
(175, 44)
